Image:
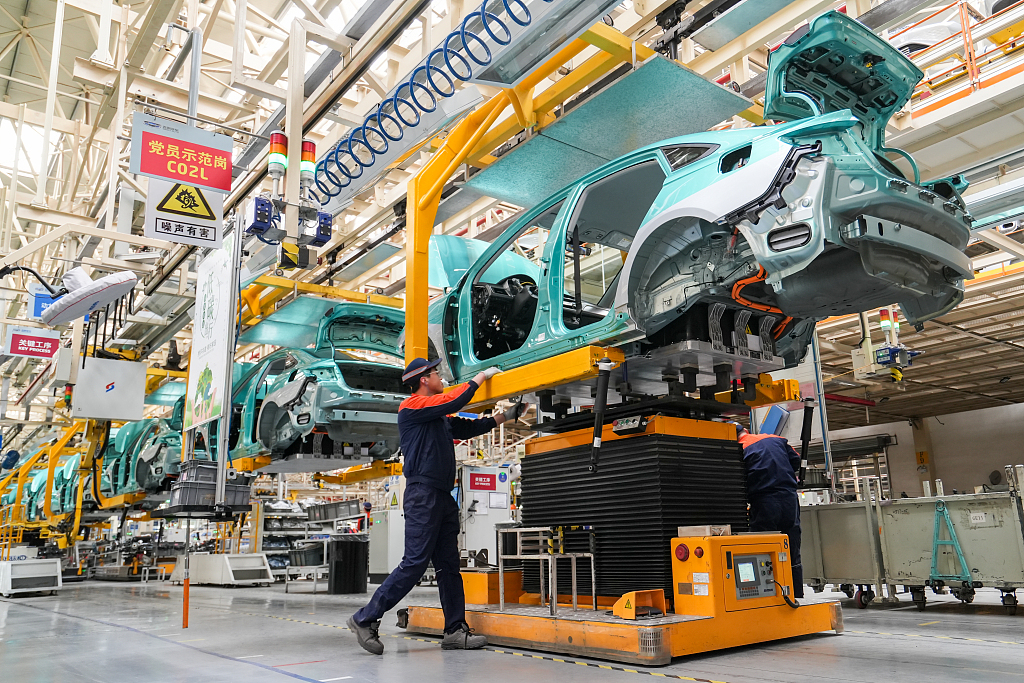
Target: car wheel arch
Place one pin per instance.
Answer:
(638, 271)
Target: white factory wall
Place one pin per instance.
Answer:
(971, 445)
(902, 461)
(965, 447)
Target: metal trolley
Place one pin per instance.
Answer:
(546, 544)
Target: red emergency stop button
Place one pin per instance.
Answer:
(698, 552)
(682, 552)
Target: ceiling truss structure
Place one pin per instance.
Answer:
(113, 59)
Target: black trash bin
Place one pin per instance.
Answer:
(349, 560)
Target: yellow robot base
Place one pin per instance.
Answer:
(728, 592)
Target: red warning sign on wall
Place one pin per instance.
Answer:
(482, 482)
(174, 151)
(186, 161)
(32, 343)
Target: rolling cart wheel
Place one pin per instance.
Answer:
(967, 597)
(848, 589)
(862, 598)
(1009, 600)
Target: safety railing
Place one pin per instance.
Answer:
(10, 532)
(974, 65)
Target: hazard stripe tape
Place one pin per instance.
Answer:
(598, 666)
(636, 671)
(526, 655)
(933, 636)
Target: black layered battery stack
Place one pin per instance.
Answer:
(645, 487)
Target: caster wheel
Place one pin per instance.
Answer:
(849, 591)
(967, 598)
(862, 598)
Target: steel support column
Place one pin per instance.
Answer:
(51, 101)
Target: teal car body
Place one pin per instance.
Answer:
(330, 408)
(250, 384)
(709, 258)
(141, 457)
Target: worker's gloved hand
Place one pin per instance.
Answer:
(491, 372)
(515, 411)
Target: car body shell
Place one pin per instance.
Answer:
(735, 242)
(331, 408)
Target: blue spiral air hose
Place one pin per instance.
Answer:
(431, 80)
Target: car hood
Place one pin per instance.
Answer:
(368, 327)
(837, 63)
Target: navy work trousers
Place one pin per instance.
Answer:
(781, 512)
(431, 535)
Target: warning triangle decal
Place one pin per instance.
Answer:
(628, 606)
(394, 499)
(185, 200)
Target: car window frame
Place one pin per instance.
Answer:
(467, 356)
(555, 274)
(514, 232)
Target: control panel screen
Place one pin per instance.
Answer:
(755, 576)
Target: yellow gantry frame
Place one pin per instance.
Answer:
(472, 140)
(353, 475)
(260, 306)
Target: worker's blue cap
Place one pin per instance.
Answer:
(417, 368)
(367, 506)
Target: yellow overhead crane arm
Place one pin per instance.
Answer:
(378, 469)
(471, 141)
(260, 306)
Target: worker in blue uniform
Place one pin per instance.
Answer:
(426, 430)
(772, 467)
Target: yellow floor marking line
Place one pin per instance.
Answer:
(490, 649)
(937, 637)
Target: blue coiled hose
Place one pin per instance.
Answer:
(433, 79)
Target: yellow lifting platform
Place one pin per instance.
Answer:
(728, 591)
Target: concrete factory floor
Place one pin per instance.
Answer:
(116, 632)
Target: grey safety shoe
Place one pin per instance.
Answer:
(463, 639)
(368, 636)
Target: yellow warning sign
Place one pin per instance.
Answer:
(185, 200)
(394, 500)
(628, 606)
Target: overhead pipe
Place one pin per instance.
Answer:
(852, 400)
(421, 92)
